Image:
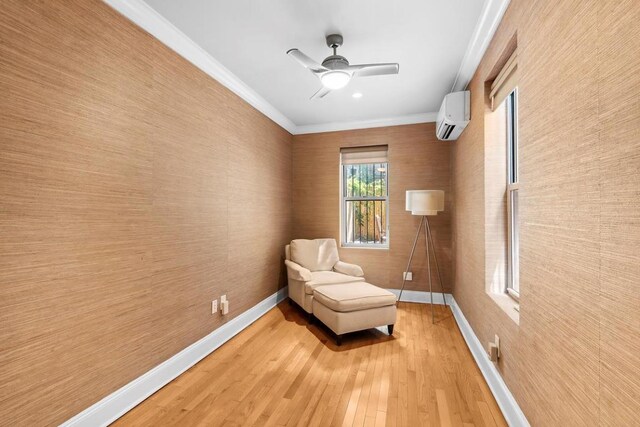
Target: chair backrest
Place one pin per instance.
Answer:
(315, 255)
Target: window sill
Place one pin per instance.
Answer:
(508, 305)
(369, 247)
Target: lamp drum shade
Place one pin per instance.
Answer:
(424, 202)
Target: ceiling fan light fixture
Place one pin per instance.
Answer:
(335, 72)
(335, 79)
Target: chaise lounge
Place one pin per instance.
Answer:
(334, 291)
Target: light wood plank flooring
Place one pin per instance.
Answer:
(283, 371)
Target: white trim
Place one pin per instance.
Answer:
(507, 403)
(490, 17)
(121, 401)
(366, 124)
(143, 15)
(421, 296)
(159, 27)
(510, 409)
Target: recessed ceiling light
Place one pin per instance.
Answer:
(357, 95)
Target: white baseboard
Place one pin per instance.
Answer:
(121, 401)
(421, 296)
(508, 405)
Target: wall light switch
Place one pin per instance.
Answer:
(408, 276)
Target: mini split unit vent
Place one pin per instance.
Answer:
(453, 116)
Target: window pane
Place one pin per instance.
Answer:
(512, 136)
(515, 243)
(512, 178)
(381, 180)
(351, 181)
(365, 180)
(366, 222)
(365, 204)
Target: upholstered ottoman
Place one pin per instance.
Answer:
(354, 307)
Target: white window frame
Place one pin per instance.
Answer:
(343, 210)
(513, 197)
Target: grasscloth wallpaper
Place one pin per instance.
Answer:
(574, 358)
(134, 189)
(417, 160)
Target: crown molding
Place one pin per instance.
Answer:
(143, 15)
(490, 17)
(365, 124)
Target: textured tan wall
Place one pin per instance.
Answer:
(574, 358)
(417, 160)
(134, 189)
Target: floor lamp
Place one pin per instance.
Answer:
(425, 203)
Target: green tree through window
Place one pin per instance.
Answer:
(365, 203)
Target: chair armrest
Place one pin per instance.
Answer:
(297, 272)
(348, 269)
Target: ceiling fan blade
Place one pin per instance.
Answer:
(305, 61)
(366, 70)
(320, 93)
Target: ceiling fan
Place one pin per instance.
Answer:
(335, 71)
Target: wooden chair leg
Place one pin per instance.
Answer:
(390, 329)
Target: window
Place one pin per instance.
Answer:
(504, 101)
(364, 197)
(513, 286)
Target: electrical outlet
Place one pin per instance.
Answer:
(224, 305)
(494, 349)
(214, 306)
(493, 352)
(408, 276)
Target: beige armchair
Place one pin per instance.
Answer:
(313, 263)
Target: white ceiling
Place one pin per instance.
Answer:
(428, 38)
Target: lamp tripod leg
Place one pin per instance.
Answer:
(413, 249)
(435, 258)
(426, 241)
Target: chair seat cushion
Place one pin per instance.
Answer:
(353, 297)
(321, 278)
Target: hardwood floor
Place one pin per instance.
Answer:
(283, 371)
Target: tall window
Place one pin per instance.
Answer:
(504, 97)
(513, 285)
(364, 196)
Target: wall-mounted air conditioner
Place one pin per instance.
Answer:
(454, 115)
